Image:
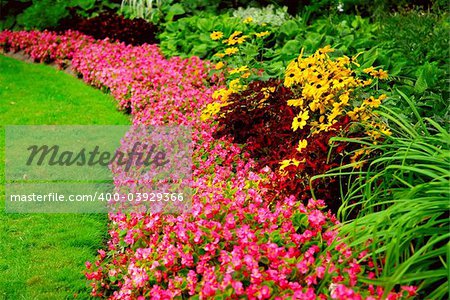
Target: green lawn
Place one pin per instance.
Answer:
(42, 256)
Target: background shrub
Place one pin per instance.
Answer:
(113, 26)
(46, 14)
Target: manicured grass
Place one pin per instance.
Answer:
(42, 256)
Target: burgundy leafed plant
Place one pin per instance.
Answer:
(260, 119)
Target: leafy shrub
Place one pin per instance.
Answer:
(115, 27)
(260, 119)
(415, 47)
(267, 15)
(190, 36)
(153, 11)
(46, 14)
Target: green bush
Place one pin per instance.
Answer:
(265, 15)
(190, 36)
(44, 14)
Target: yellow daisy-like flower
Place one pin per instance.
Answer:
(241, 39)
(239, 70)
(367, 82)
(220, 55)
(236, 86)
(386, 131)
(248, 20)
(246, 75)
(300, 120)
(302, 145)
(221, 94)
(262, 34)
(231, 50)
(233, 39)
(219, 65)
(381, 74)
(216, 35)
(291, 78)
(372, 102)
(285, 163)
(369, 70)
(290, 162)
(210, 111)
(295, 102)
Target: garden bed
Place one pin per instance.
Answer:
(285, 141)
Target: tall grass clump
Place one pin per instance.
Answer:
(397, 204)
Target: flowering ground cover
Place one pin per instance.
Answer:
(239, 240)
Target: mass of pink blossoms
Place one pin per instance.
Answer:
(234, 243)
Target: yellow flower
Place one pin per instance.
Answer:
(219, 55)
(239, 70)
(246, 75)
(285, 163)
(369, 70)
(262, 34)
(248, 20)
(302, 145)
(241, 39)
(291, 77)
(216, 35)
(381, 74)
(219, 65)
(334, 113)
(290, 162)
(231, 50)
(295, 102)
(211, 110)
(221, 94)
(344, 98)
(236, 86)
(355, 159)
(300, 120)
(325, 49)
(367, 82)
(386, 131)
(372, 102)
(232, 40)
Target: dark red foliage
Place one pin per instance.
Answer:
(113, 26)
(264, 128)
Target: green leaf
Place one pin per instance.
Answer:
(290, 28)
(421, 84)
(426, 77)
(84, 4)
(174, 10)
(205, 25)
(275, 69)
(291, 48)
(369, 58)
(264, 260)
(299, 220)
